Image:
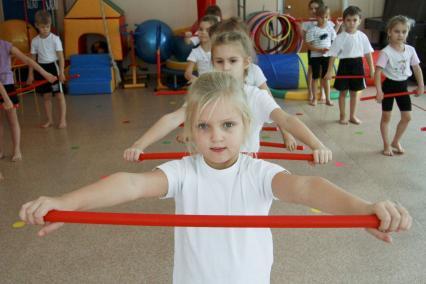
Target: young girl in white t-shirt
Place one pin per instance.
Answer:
(219, 180)
(394, 62)
(231, 52)
(201, 56)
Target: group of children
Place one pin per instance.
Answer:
(46, 48)
(223, 115)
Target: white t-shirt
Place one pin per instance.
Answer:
(308, 25)
(261, 105)
(46, 48)
(320, 38)
(395, 64)
(348, 45)
(255, 76)
(221, 255)
(202, 58)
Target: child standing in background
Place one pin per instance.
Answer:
(319, 39)
(47, 49)
(350, 46)
(6, 79)
(201, 56)
(219, 180)
(395, 61)
(192, 38)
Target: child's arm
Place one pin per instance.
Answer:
(188, 72)
(329, 74)
(265, 87)
(30, 78)
(61, 59)
(289, 140)
(116, 189)
(161, 128)
(297, 128)
(7, 103)
(378, 84)
(317, 192)
(369, 57)
(31, 63)
(419, 78)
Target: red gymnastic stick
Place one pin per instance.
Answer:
(243, 221)
(351, 77)
(423, 129)
(391, 95)
(279, 145)
(265, 128)
(171, 92)
(36, 84)
(259, 155)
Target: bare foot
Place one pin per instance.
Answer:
(62, 125)
(343, 121)
(16, 157)
(313, 102)
(388, 152)
(398, 147)
(329, 103)
(46, 125)
(355, 120)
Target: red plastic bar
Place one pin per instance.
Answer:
(419, 107)
(231, 221)
(423, 129)
(279, 145)
(36, 84)
(171, 92)
(259, 155)
(351, 77)
(14, 106)
(390, 95)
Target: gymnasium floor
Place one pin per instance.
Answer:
(58, 161)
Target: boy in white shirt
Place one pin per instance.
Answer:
(319, 39)
(350, 46)
(47, 49)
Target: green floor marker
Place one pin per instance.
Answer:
(359, 132)
(167, 142)
(75, 147)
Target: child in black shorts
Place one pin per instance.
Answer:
(394, 62)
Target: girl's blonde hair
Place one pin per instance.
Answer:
(399, 19)
(210, 88)
(236, 38)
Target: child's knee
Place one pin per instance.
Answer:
(406, 116)
(386, 116)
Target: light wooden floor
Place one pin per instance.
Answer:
(57, 161)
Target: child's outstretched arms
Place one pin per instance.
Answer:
(32, 64)
(298, 129)
(116, 189)
(161, 128)
(317, 192)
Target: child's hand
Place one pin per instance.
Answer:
(51, 78)
(420, 91)
(181, 138)
(393, 218)
(290, 142)
(322, 155)
(328, 76)
(7, 104)
(188, 34)
(192, 80)
(339, 21)
(324, 50)
(62, 78)
(33, 213)
(132, 154)
(379, 96)
(371, 73)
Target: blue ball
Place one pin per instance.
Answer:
(152, 34)
(181, 50)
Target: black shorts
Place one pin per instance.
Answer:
(390, 86)
(309, 58)
(9, 89)
(319, 67)
(350, 66)
(52, 68)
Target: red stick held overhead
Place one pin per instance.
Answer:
(231, 221)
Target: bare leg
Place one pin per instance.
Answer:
(48, 110)
(15, 129)
(62, 110)
(353, 105)
(342, 107)
(326, 85)
(313, 102)
(384, 130)
(309, 75)
(400, 129)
